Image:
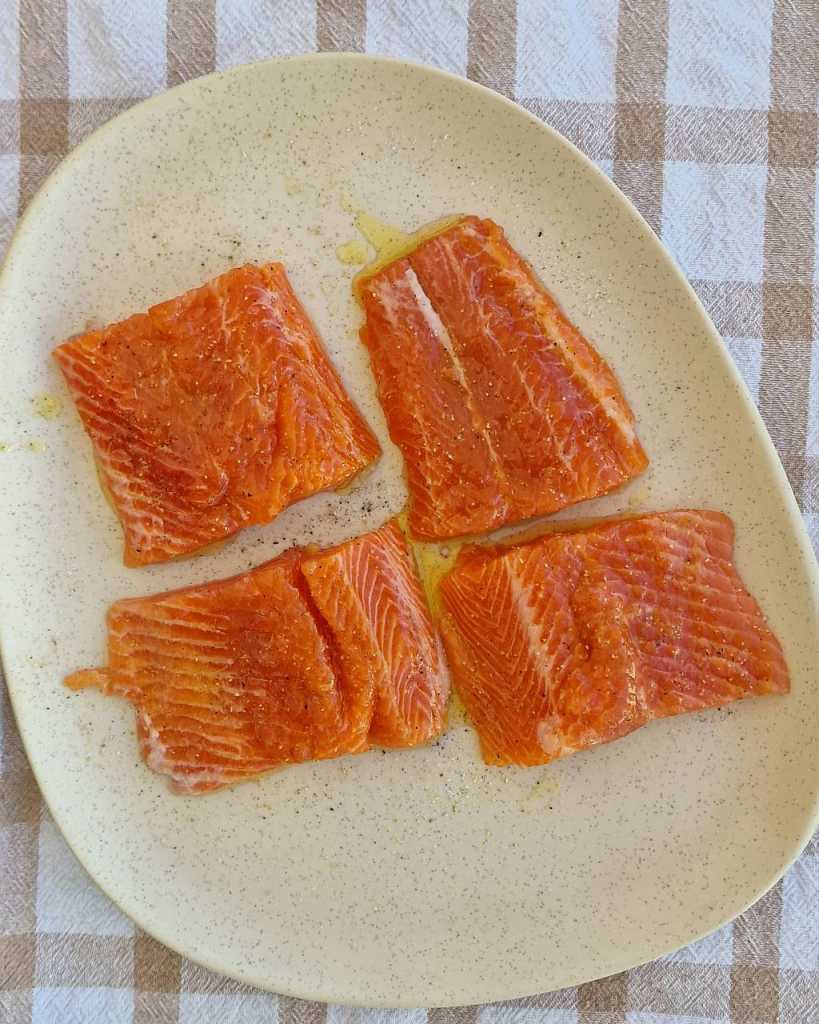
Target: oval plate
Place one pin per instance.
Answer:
(421, 877)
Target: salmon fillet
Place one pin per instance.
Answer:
(579, 638)
(213, 411)
(310, 656)
(500, 406)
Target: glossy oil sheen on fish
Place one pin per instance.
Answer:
(313, 655)
(578, 638)
(213, 411)
(501, 408)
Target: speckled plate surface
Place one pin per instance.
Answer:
(420, 877)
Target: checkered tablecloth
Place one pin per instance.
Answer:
(705, 113)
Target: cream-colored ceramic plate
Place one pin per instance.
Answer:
(417, 877)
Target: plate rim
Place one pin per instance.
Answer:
(795, 521)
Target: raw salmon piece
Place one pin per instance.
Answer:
(309, 656)
(368, 593)
(213, 411)
(501, 408)
(230, 679)
(578, 638)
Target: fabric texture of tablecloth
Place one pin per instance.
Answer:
(704, 112)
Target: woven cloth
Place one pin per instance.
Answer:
(704, 112)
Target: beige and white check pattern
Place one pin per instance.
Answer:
(705, 113)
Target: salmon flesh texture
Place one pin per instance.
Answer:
(501, 408)
(578, 638)
(310, 656)
(213, 411)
